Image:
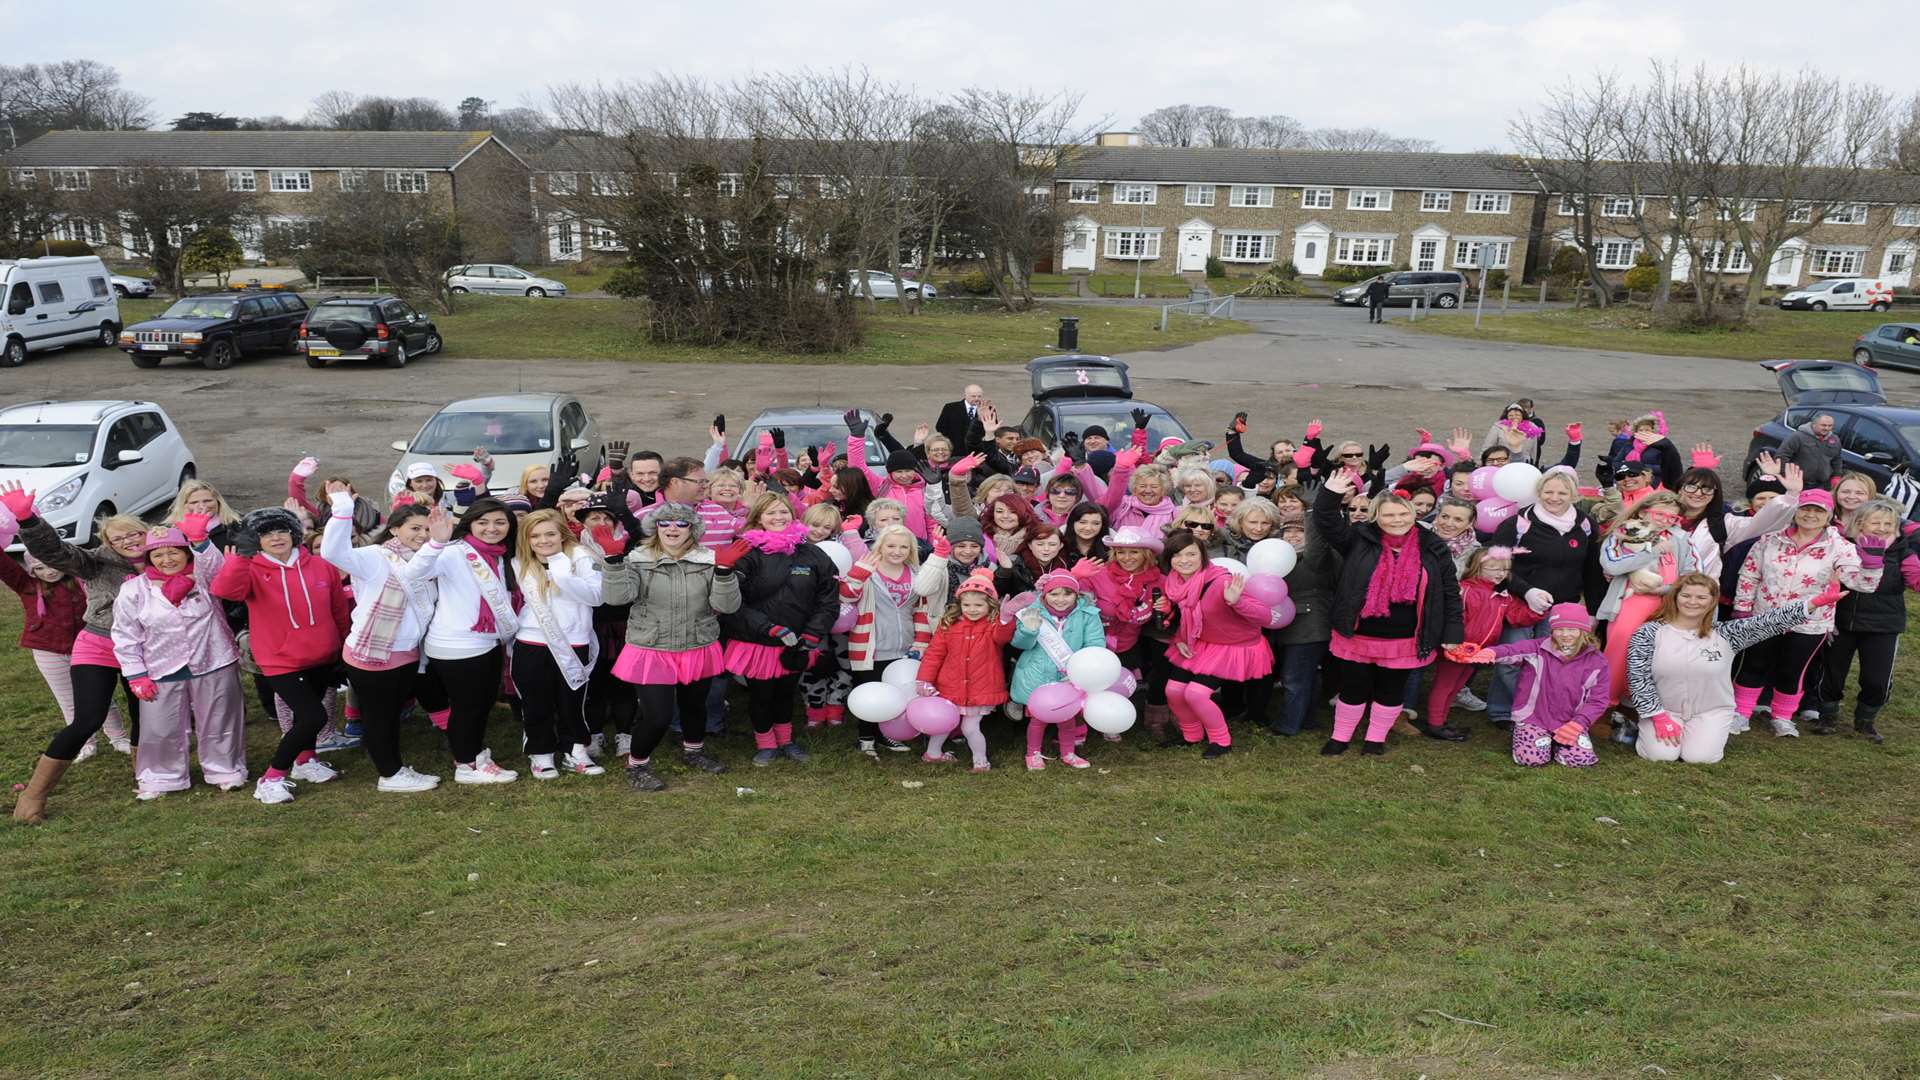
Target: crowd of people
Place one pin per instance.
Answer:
(617, 614)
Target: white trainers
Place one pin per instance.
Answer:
(273, 791)
(623, 745)
(1471, 702)
(408, 780)
(543, 767)
(580, 762)
(87, 750)
(1784, 728)
(314, 771)
(483, 771)
(123, 745)
(596, 745)
(1739, 725)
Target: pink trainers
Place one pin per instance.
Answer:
(941, 758)
(1035, 763)
(1075, 761)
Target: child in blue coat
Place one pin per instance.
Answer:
(1060, 621)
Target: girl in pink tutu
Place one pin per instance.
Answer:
(789, 598)
(1218, 639)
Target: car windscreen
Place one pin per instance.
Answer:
(202, 307)
(811, 436)
(44, 446)
(356, 313)
(1819, 286)
(1118, 420)
(498, 433)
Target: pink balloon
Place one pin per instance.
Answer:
(1269, 589)
(933, 715)
(1055, 702)
(1282, 614)
(899, 729)
(1481, 483)
(848, 614)
(1489, 513)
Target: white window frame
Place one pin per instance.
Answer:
(300, 229)
(1467, 252)
(1201, 194)
(1130, 243)
(290, 180)
(70, 180)
(1835, 261)
(1848, 214)
(563, 238)
(1748, 211)
(1489, 202)
(1800, 215)
(91, 233)
(728, 185)
(1437, 202)
(1083, 191)
(1903, 265)
(1619, 206)
(24, 177)
(609, 183)
(787, 186)
(1906, 217)
(1608, 254)
(603, 238)
(1251, 196)
(352, 179)
(1363, 250)
(242, 180)
(1316, 198)
(1357, 198)
(1724, 257)
(408, 181)
(1136, 194)
(1248, 246)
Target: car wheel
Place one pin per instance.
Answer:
(120, 291)
(142, 360)
(1881, 305)
(1818, 305)
(220, 355)
(292, 344)
(536, 292)
(187, 473)
(1446, 300)
(398, 357)
(315, 362)
(433, 343)
(109, 336)
(458, 290)
(1863, 357)
(15, 353)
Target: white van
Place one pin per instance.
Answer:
(1841, 294)
(53, 303)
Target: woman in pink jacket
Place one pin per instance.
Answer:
(1138, 494)
(1125, 587)
(1217, 639)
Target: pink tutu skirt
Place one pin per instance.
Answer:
(1228, 663)
(1394, 654)
(658, 667)
(94, 649)
(752, 661)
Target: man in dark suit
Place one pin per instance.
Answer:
(957, 417)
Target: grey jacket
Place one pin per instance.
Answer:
(100, 569)
(1819, 459)
(676, 602)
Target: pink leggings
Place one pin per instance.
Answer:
(1193, 706)
(1449, 679)
(1066, 731)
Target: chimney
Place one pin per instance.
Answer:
(1117, 138)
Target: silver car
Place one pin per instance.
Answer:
(1435, 288)
(501, 280)
(519, 430)
(128, 285)
(883, 288)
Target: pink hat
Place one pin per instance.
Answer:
(172, 537)
(980, 581)
(1817, 497)
(1573, 615)
(1170, 442)
(1055, 579)
(1433, 449)
(1135, 536)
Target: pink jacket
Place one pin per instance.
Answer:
(1122, 598)
(298, 615)
(1777, 572)
(1221, 623)
(720, 523)
(912, 496)
(155, 638)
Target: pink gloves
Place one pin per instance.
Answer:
(1573, 433)
(1568, 733)
(1303, 457)
(144, 688)
(1665, 728)
(20, 503)
(194, 526)
(965, 466)
(1128, 459)
(941, 548)
(1313, 430)
(1873, 552)
(307, 467)
(1828, 598)
(1087, 569)
(851, 523)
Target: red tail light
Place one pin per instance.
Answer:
(303, 329)
(380, 331)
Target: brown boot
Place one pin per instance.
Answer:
(1158, 717)
(31, 806)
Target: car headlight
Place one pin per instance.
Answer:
(126, 337)
(62, 495)
(191, 337)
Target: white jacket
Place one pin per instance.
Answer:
(574, 594)
(451, 636)
(369, 568)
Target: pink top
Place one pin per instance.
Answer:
(157, 639)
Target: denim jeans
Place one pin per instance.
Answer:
(1506, 676)
(1299, 679)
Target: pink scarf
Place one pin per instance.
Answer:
(785, 542)
(1187, 592)
(1396, 577)
(491, 554)
(174, 587)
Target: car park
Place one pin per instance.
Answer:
(1433, 288)
(54, 303)
(86, 460)
(1078, 391)
(1839, 294)
(384, 328)
(126, 285)
(1889, 345)
(217, 328)
(502, 280)
(806, 429)
(519, 430)
(1875, 438)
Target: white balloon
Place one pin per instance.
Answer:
(876, 702)
(1516, 482)
(901, 673)
(1093, 669)
(1271, 556)
(838, 552)
(1234, 566)
(1107, 712)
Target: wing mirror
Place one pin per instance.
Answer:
(399, 444)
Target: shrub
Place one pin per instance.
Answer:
(974, 283)
(1642, 278)
(63, 247)
(628, 283)
(1287, 271)
(1568, 265)
(1216, 268)
(1496, 279)
(1345, 272)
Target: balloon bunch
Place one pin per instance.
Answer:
(1266, 569)
(892, 704)
(1097, 690)
(1502, 491)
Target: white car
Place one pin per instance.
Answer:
(128, 285)
(502, 280)
(519, 430)
(882, 283)
(86, 460)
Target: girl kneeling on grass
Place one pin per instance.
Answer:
(1562, 689)
(553, 652)
(1058, 622)
(963, 664)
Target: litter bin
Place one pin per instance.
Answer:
(1069, 333)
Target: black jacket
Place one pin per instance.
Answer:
(800, 592)
(1884, 610)
(1550, 560)
(953, 423)
(1378, 290)
(1439, 611)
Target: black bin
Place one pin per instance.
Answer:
(1069, 333)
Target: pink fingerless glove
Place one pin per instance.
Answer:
(1313, 430)
(194, 526)
(1303, 457)
(1873, 552)
(1829, 596)
(1665, 727)
(1573, 433)
(144, 688)
(1705, 460)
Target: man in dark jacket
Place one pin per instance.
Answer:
(1377, 290)
(1816, 449)
(957, 416)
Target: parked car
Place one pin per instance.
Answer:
(805, 429)
(91, 459)
(1875, 438)
(1436, 288)
(53, 303)
(1840, 294)
(517, 429)
(501, 279)
(1076, 391)
(881, 282)
(367, 328)
(126, 285)
(1886, 346)
(217, 328)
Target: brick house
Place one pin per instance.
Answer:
(1168, 209)
(471, 173)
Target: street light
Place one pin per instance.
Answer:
(1139, 250)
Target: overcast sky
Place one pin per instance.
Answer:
(1454, 73)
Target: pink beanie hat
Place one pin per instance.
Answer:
(1055, 579)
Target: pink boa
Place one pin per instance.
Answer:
(784, 542)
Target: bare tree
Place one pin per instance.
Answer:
(27, 215)
(1567, 147)
(392, 236)
(330, 109)
(1020, 139)
(1270, 132)
(157, 209)
(1366, 138)
(1172, 125)
(1217, 125)
(84, 94)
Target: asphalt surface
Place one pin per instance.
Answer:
(248, 425)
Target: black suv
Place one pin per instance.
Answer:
(218, 328)
(367, 327)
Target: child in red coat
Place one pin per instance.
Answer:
(964, 665)
(1489, 608)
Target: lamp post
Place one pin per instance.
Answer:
(1139, 250)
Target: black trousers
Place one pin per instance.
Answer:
(1780, 662)
(92, 697)
(1876, 669)
(870, 732)
(1373, 310)
(305, 692)
(1361, 684)
(555, 713)
(473, 685)
(770, 701)
(380, 696)
(657, 704)
(1150, 656)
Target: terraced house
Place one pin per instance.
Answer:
(1170, 209)
(284, 173)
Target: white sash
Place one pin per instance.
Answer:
(505, 624)
(564, 657)
(1052, 641)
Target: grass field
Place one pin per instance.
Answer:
(1807, 335)
(1273, 914)
(946, 332)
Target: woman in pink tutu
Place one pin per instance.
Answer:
(789, 598)
(1217, 639)
(678, 590)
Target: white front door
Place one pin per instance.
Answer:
(1078, 254)
(1310, 253)
(1427, 255)
(1194, 245)
(1786, 266)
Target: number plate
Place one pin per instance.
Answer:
(148, 346)
(311, 351)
